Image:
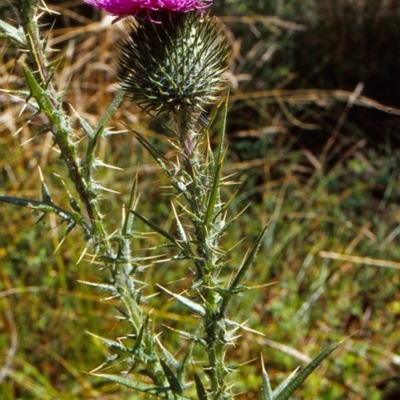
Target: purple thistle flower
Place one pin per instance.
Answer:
(123, 8)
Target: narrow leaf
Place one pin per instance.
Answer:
(102, 286)
(17, 201)
(300, 377)
(249, 260)
(70, 227)
(201, 392)
(142, 387)
(220, 155)
(37, 92)
(195, 307)
(141, 333)
(284, 384)
(37, 205)
(173, 382)
(154, 226)
(247, 263)
(266, 386)
(46, 194)
(127, 227)
(181, 230)
(168, 356)
(85, 126)
(150, 148)
(95, 135)
(112, 344)
(16, 35)
(214, 195)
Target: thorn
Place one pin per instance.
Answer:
(102, 164)
(93, 258)
(55, 149)
(82, 255)
(18, 131)
(27, 141)
(107, 190)
(23, 107)
(40, 174)
(59, 245)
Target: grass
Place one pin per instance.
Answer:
(328, 189)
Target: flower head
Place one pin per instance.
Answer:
(176, 65)
(122, 8)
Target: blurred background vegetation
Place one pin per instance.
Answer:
(314, 141)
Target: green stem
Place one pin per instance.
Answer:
(47, 98)
(59, 122)
(194, 164)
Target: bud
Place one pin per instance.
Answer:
(175, 65)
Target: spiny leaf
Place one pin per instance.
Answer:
(221, 151)
(181, 230)
(85, 126)
(46, 194)
(141, 332)
(37, 205)
(95, 135)
(214, 195)
(168, 356)
(173, 382)
(102, 286)
(37, 92)
(187, 356)
(154, 226)
(247, 263)
(112, 344)
(142, 387)
(201, 392)
(110, 359)
(127, 227)
(69, 228)
(285, 390)
(190, 336)
(150, 148)
(266, 387)
(16, 35)
(195, 307)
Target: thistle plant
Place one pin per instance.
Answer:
(171, 62)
